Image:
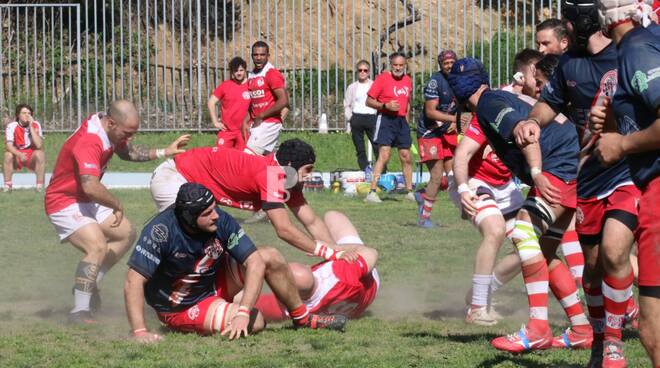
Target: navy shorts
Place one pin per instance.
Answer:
(392, 131)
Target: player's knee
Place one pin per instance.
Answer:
(333, 216)
(405, 156)
(614, 257)
(495, 234)
(39, 156)
(97, 250)
(9, 158)
(370, 255)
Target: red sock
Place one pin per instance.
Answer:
(428, 206)
(8, 184)
(271, 308)
(535, 276)
(570, 246)
(616, 293)
(300, 315)
(565, 290)
(444, 183)
(594, 296)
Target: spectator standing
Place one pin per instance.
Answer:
(361, 117)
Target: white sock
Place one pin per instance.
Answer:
(495, 283)
(480, 286)
(80, 301)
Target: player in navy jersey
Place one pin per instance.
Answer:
(636, 107)
(606, 216)
(189, 262)
(548, 166)
(436, 136)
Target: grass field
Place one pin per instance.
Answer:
(334, 150)
(416, 321)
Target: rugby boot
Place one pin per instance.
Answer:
(613, 354)
(480, 316)
(81, 318)
(373, 197)
(631, 317)
(335, 322)
(523, 341)
(425, 223)
(410, 196)
(571, 339)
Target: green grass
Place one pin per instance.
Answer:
(416, 321)
(334, 150)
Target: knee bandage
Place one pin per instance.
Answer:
(526, 238)
(537, 207)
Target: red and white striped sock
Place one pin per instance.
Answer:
(8, 184)
(427, 207)
(616, 293)
(536, 277)
(565, 290)
(570, 246)
(594, 299)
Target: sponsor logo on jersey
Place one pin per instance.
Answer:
(403, 91)
(87, 165)
(257, 93)
(225, 201)
(147, 254)
(246, 205)
(260, 82)
(159, 233)
(608, 83)
(500, 116)
(213, 248)
(235, 238)
(246, 95)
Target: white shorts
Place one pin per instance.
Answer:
(507, 196)
(263, 138)
(68, 220)
(165, 184)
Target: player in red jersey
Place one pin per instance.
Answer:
(234, 100)
(252, 182)
(80, 207)
(24, 141)
(334, 287)
(269, 100)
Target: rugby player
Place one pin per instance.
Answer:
(607, 198)
(436, 136)
(234, 100)
(548, 166)
(252, 182)
(552, 37)
(636, 106)
(390, 94)
(24, 140)
(83, 211)
(342, 287)
(192, 259)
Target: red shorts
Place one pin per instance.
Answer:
(213, 313)
(230, 139)
(590, 214)
(18, 164)
(567, 189)
(431, 149)
(648, 235)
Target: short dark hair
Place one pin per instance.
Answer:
(547, 65)
(22, 106)
(261, 44)
(236, 63)
(295, 153)
(557, 26)
(525, 58)
(395, 55)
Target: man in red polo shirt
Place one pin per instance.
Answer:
(234, 100)
(24, 141)
(390, 95)
(81, 208)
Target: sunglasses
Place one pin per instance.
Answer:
(363, 70)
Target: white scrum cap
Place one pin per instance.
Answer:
(614, 12)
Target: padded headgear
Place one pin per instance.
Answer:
(465, 78)
(191, 200)
(583, 15)
(613, 12)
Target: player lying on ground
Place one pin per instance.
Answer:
(83, 211)
(342, 287)
(548, 166)
(251, 182)
(192, 259)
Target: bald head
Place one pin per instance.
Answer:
(124, 112)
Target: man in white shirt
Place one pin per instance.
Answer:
(361, 117)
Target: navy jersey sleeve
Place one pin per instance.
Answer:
(500, 115)
(553, 92)
(146, 255)
(431, 89)
(643, 72)
(233, 238)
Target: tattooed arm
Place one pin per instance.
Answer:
(98, 193)
(137, 153)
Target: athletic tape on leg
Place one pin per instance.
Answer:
(350, 239)
(526, 240)
(485, 208)
(538, 207)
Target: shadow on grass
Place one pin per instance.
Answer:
(446, 312)
(522, 361)
(462, 338)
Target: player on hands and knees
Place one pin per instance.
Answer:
(606, 212)
(83, 211)
(192, 259)
(548, 166)
(636, 110)
(339, 286)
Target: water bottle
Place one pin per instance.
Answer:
(368, 172)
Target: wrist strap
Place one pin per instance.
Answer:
(160, 153)
(243, 311)
(325, 252)
(535, 171)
